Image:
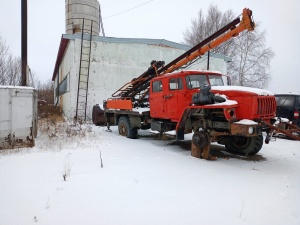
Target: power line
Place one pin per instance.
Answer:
(128, 10)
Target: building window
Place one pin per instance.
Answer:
(63, 86)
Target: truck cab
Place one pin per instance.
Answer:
(171, 93)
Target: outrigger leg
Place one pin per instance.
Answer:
(287, 129)
(201, 146)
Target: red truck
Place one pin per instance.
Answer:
(193, 101)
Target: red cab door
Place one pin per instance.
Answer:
(174, 98)
(156, 99)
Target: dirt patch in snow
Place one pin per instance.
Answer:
(220, 152)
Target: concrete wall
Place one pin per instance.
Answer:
(113, 65)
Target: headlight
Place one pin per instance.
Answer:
(250, 130)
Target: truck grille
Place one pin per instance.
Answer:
(266, 107)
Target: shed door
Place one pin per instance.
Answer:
(22, 115)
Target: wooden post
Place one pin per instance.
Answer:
(24, 42)
(196, 151)
(206, 152)
(201, 153)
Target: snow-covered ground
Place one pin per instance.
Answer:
(145, 181)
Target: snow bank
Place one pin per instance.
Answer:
(145, 181)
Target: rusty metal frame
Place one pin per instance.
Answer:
(287, 129)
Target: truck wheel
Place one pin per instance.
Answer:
(125, 128)
(245, 145)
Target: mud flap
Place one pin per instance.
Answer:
(180, 134)
(98, 115)
(184, 117)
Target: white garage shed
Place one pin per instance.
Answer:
(18, 116)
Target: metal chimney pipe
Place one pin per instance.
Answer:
(24, 41)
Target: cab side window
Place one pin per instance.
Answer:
(157, 86)
(175, 84)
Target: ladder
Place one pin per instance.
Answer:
(84, 70)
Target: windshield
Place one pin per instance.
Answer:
(198, 80)
(215, 80)
(285, 100)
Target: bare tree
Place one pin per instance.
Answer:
(13, 70)
(251, 60)
(10, 74)
(250, 64)
(33, 80)
(204, 26)
(4, 52)
(10, 66)
(46, 91)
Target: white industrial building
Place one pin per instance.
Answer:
(90, 68)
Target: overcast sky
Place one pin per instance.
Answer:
(158, 19)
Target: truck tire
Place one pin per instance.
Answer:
(245, 145)
(125, 129)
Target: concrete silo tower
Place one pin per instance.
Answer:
(79, 12)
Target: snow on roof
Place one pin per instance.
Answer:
(210, 71)
(291, 93)
(149, 41)
(16, 87)
(257, 91)
(203, 71)
(159, 42)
